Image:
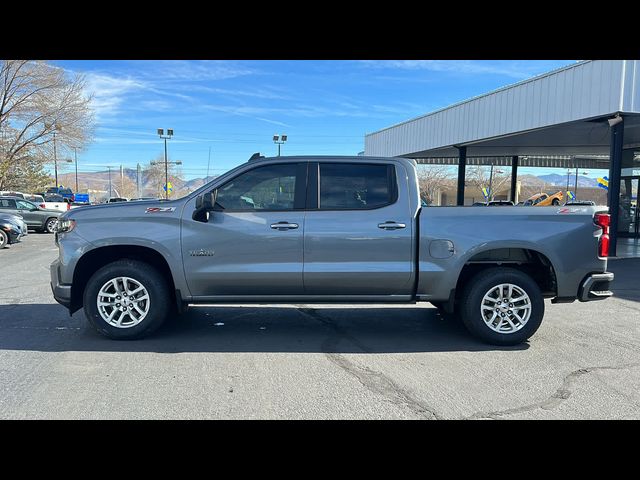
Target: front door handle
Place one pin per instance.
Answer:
(389, 225)
(282, 226)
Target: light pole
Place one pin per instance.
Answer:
(279, 140)
(166, 167)
(576, 189)
(55, 157)
(75, 154)
(109, 167)
(491, 182)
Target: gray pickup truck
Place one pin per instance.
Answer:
(327, 229)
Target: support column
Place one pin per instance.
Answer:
(514, 179)
(462, 164)
(613, 198)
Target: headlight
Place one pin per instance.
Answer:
(66, 225)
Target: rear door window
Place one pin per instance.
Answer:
(356, 186)
(7, 203)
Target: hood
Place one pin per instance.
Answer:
(119, 209)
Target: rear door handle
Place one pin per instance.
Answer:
(389, 225)
(284, 226)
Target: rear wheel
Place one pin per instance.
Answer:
(502, 306)
(126, 299)
(4, 239)
(51, 225)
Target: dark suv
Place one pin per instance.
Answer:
(37, 218)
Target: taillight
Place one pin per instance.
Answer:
(68, 206)
(603, 220)
(42, 205)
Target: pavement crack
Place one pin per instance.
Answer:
(376, 382)
(560, 395)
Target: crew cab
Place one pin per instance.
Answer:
(327, 229)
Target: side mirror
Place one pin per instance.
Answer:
(204, 204)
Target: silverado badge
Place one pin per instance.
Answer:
(201, 253)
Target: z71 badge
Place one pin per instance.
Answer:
(160, 209)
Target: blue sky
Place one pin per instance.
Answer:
(235, 107)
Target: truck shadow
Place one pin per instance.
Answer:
(626, 283)
(48, 327)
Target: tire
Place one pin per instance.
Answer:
(4, 239)
(155, 308)
(507, 329)
(555, 202)
(51, 225)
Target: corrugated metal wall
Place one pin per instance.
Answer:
(584, 90)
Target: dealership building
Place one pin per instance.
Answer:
(586, 115)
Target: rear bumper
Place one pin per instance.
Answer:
(595, 286)
(61, 293)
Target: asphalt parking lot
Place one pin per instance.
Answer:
(311, 361)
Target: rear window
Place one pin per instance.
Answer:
(356, 186)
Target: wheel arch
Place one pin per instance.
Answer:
(97, 258)
(531, 261)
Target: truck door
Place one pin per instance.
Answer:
(358, 238)
(252, 244)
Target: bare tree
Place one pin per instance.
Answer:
(36, 100)
(480, 177)
(432, 179)
(155, 175)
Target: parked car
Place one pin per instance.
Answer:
(64, 192)
(54, 201)
(36, 218)
(9, 193)
(143, 198)
(11, 230)
(500, 203)
(79, 204)
(117, 199)
(544, 199)
(326, 229)
(33, 198)
(581, 202)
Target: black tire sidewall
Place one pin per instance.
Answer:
(142, 272)
(476, 289)
(5, 239)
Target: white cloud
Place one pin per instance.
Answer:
(109, 92)
(198, 70)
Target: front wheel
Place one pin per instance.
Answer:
(502, 306)
(126, 299)
(4, 239)
(555, 202)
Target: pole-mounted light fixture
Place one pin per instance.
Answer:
(279, 140)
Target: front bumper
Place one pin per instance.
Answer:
(595, 286)
(13, 234)
(61, 293)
